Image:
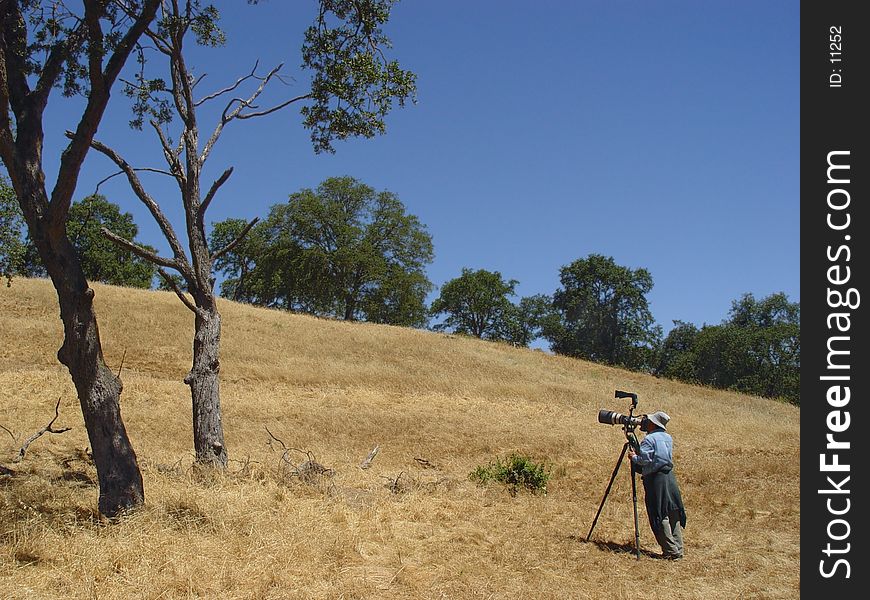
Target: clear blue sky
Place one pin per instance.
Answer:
(664, 134)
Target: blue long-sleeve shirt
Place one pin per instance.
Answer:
(656, 452)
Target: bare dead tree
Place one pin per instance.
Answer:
(353, 87)
(185, 162)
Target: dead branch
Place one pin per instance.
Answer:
(152, 206)
(393, 483)
(12, 435)
(143, 169)
(269, 111)
(212, 191)
(236, 241)
(308, 471)
(367, 462)
(171, 156)
(228, 89)
(272, 435)
(47, 429)
(233, 109)
(121, 366)
(141, 252)
(174, 286)
(146, 199)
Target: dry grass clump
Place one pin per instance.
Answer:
(410, 526)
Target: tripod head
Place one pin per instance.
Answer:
(629, 422)
(633, 396)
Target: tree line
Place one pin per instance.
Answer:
(601, 313)
(347, 251)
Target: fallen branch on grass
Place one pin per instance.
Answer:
(47, 429)
(393, 484)
(307, 471)
(12, 435)
(365, 464)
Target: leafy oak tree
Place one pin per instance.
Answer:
(526, 320)
(341, 250)
(603, 314)
(239, 263)
(12, 226)
(675, 357)
(101, 259)
(755, 350)
(353, 86)
(476, 303)
(70, 48)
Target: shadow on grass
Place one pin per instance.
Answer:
(45, 490)
(614, 547)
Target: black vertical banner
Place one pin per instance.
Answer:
(835, 169)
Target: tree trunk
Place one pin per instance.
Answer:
(204, 382)
(349, 308)
(99, 390)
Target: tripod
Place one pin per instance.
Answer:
(631, 439)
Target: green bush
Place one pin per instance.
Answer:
(515, 471)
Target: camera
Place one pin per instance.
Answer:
(610, 417)
(629, 421)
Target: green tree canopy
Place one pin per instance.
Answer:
(526, 320)
(675, 359)
(343, 250)
(755, 350)
(477, 303)
(238, 264)
(12, 226)
(603, 314)
(101, 259)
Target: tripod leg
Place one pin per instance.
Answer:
(636, 530)
(607, 491)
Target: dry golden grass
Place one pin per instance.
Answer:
(338, 389)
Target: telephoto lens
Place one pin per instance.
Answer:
(610, 417)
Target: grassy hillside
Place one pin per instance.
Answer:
(337, 390)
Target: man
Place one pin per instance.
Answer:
(664, 504)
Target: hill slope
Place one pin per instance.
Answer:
(398, 529)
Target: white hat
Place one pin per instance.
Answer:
(659, 418)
